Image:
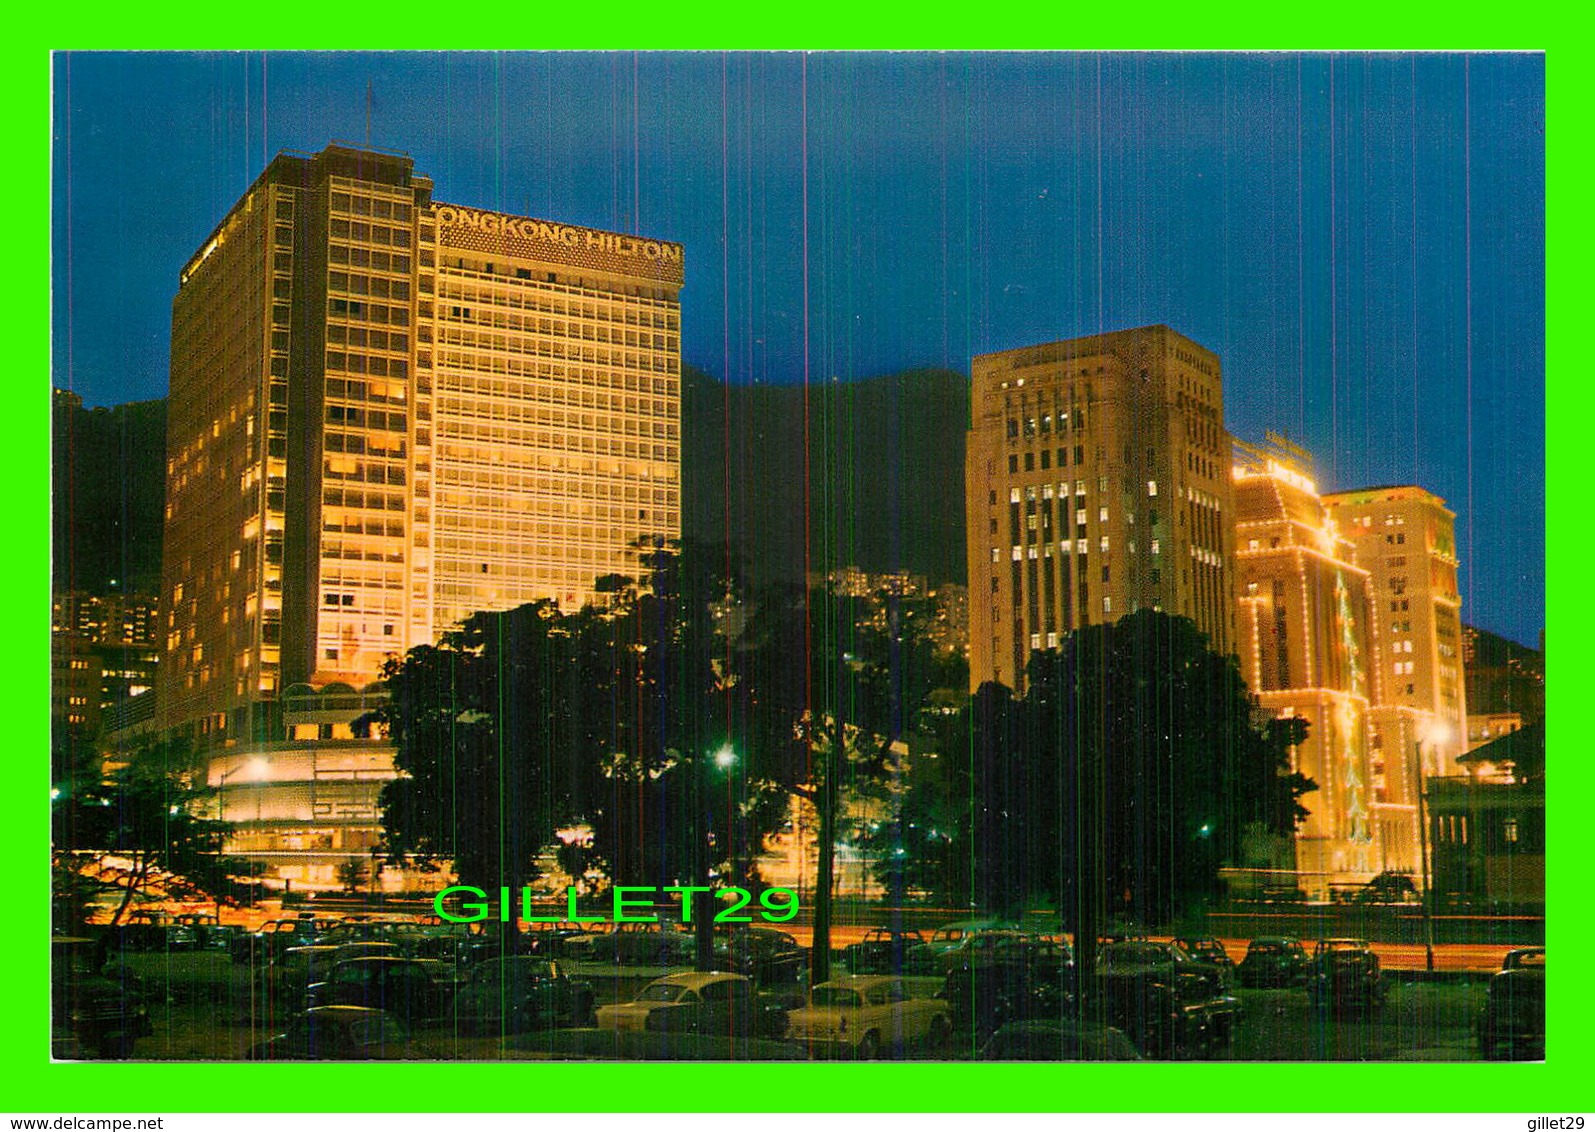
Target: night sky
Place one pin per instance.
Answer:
(1360, 238)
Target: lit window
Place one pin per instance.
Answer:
(1079, 487)
(1018, 553)
(1035, 640)
(1081, 545)
(1155, 546)
(1107, 605)
(1013, 495)
(1151, 487)
(1104, 544)
(996, 554)
(1102, 514)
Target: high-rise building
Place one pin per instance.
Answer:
(1406, 538)
(1097, 479)
(386, 413)
(1304, 624)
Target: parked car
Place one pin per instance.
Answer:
(461, 948)
(209, 932)
(1512, 1023)
(516, 993)
(274, 937)
(1345, 977)
(1011, 985)
(296, 969)
(926, 959)
(991, 946)
(412, 990)
(767, 956)
(866, 1014)
(1059, 1039)
(1206, 949)
(338, 1033)
(1273, 961)
(103, 1006)
(647, 945)
(882, 951)
(143, 930)
(1170, 1004)
(402, 934)
(701, 1002)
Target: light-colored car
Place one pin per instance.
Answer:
(700, 1002)
(865, 1014)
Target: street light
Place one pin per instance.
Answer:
(1436, 733)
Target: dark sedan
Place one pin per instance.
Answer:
(1345, 977)
(1059, 1040)
(1170, 1004)
(882, 951)
(412, 990)
(1277, 961)
(1512, 1024)
(520, 993)
(338, 1033)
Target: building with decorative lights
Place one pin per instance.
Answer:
(1304, 625)
(386, 413)
(1097, 481)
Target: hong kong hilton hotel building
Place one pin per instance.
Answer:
(1100, 480)
(386, 413)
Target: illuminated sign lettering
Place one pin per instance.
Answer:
(564, 235)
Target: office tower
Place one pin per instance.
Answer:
(1304, 616)
(1097, 478)
(1406, 539)
(386, 413)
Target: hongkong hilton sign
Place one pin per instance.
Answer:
(561, 235)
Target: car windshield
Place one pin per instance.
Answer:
(1266, 949)
(834, 998)
(663, 992)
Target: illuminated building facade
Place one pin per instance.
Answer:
(386, 413)
(1304, 619)
(1405, 537)
(1097, 480)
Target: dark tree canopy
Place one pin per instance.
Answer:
(1118, 785)
(150, 816)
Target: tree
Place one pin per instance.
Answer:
(1129, 772)
(148, 815)
(486, 725)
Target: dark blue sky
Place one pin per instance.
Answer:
(1360, 238)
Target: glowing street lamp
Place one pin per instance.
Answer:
(725, 758)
